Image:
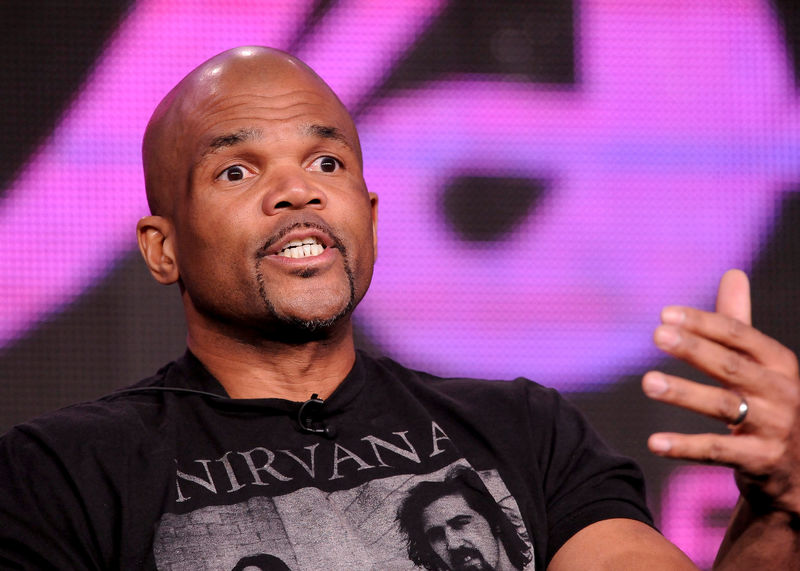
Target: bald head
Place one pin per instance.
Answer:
(248, 156)
(170, 140)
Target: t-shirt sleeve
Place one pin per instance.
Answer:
(584, 480)
(43, 524)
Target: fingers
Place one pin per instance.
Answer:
(770, 415)
(740, 451)
(752, 368)
(684, 327)
(733, 296)
(735, 369)
(714, 402)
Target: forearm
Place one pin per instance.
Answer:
(754, 540)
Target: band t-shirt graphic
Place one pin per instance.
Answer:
(356, 528)
(418, 472)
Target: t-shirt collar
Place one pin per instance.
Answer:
(189, 372)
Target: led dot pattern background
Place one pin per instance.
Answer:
(551, 173)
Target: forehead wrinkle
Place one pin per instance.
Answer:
(234, 138)
(221, 101)
(211, 112)
(248, 134)
(326, 132)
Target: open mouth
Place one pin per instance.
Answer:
(304, 248)
(467, 559)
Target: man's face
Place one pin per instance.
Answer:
(460, 536)
(276, 224)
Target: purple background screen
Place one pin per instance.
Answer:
(550, 175)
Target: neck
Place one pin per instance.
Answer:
(266, 368)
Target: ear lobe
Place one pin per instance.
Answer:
(155, 235)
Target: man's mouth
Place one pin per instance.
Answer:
(301, 240)
(304, 248)
(465, 558)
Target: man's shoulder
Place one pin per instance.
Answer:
(105, 418)
(468, 389)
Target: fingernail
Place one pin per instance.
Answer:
(673, 315)
(654, 384)
(666, 336)
(659, 444)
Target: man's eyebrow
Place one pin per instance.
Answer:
(230, 139)
(460, 518)
(327, 132)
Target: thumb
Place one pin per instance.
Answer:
(733, 296)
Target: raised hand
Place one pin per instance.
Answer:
(759, 397)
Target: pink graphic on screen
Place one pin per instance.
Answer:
(665, 162)
(696, 509)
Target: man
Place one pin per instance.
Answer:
(455, 524)
(261, 215)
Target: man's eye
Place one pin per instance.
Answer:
(234, 173)
(434, 534)
(326, 164)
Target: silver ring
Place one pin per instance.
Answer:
(742, 413)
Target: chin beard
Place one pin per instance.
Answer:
(297, 330)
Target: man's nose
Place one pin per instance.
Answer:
(292, 189)
(453, 539)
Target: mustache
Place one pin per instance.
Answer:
(460, 554)
(282, 232)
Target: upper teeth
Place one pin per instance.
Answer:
(302, 248)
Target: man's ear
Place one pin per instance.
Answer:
(373, 201)
(156, 242)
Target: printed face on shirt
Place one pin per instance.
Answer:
(460, 536)
(275, 224)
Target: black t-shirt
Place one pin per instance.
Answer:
(163, 477)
